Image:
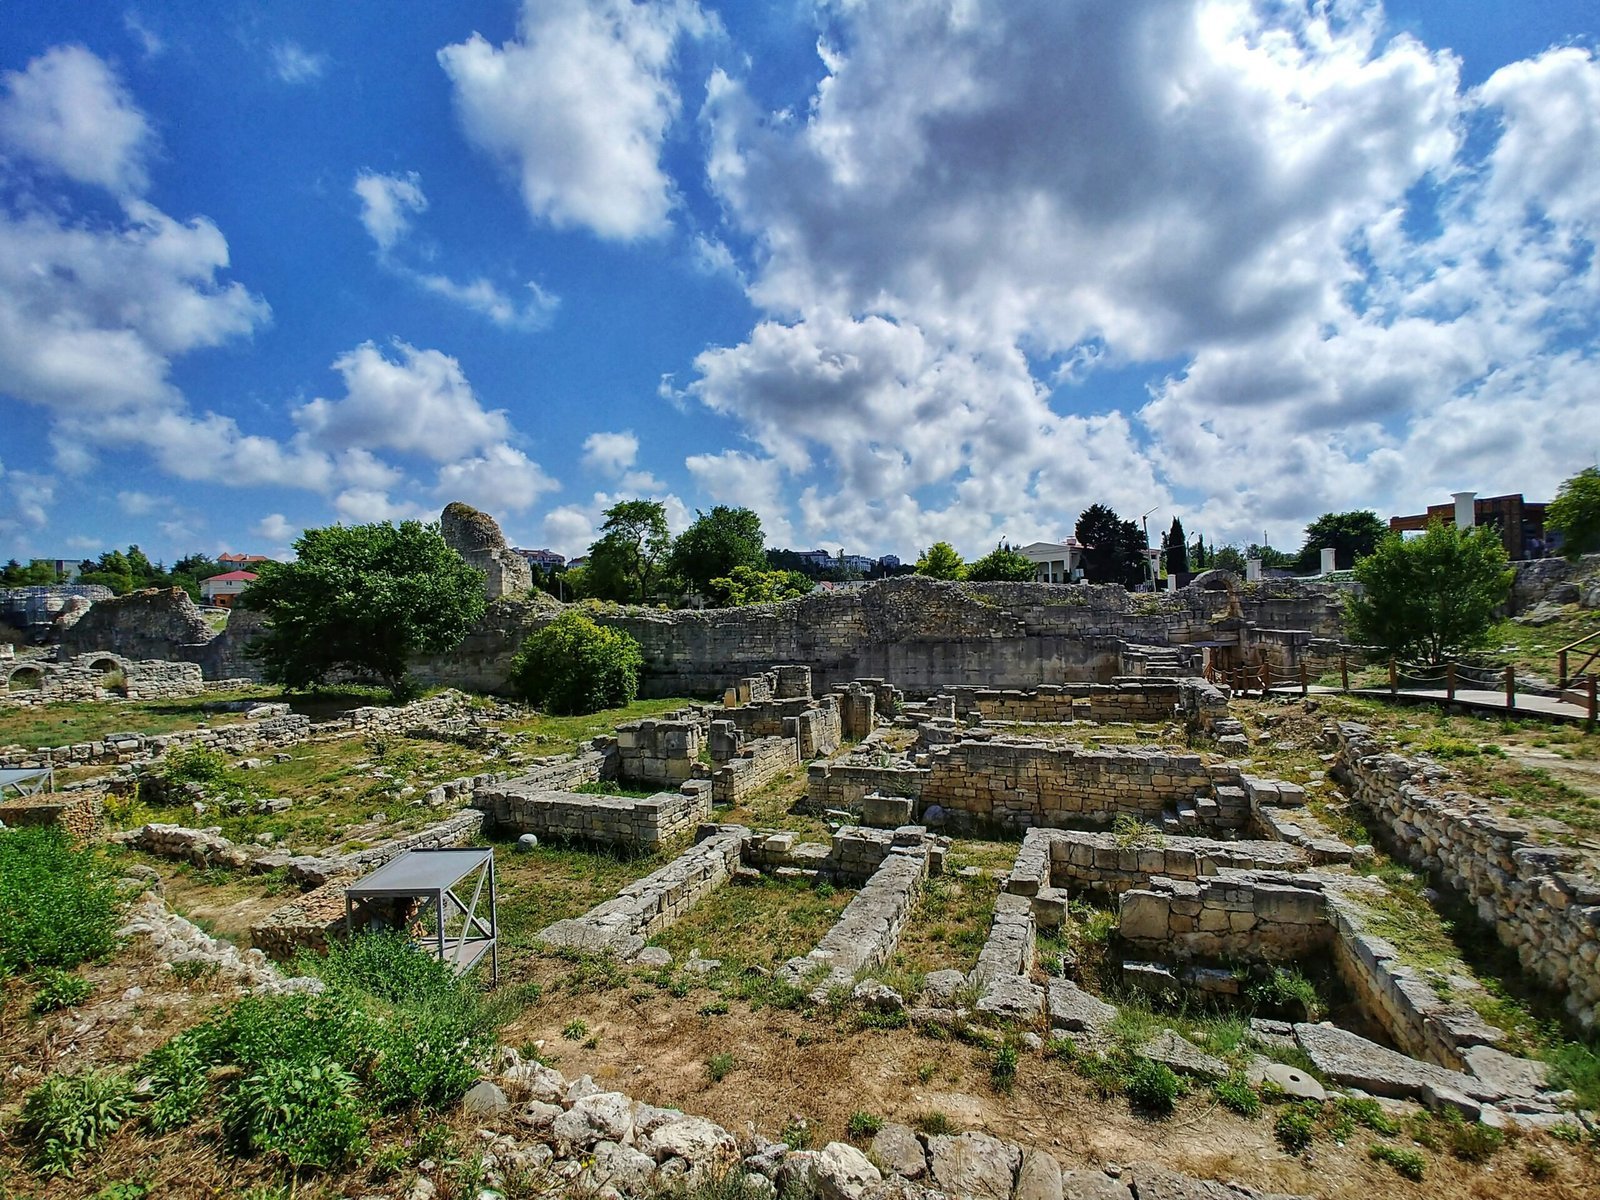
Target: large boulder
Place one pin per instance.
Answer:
(974, 1165)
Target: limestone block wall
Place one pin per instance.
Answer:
(307, 922)
(869, 929)
(659, 753)
(858, 711)
(476, 537)
(1123, 700)
(84, 678)
(1537, 898)
(1245, 915)
(517, 807)
(268, 733)
(80, 815)
(1009, 948)
(843, 785)
(1101, 862)
(817, 731)
(656, 902)
(757, 764)
(153, 623)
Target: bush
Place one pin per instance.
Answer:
(1153, 1086)
(59, 989)
(307, 1114)
(67, 1116)
(1408, 1162)
(1003, 1068)
(61, 906)
(1296, 1126)
(177, 1083)
(863, 1125)
(1235, 1093)
(718, 1067)
(1288, 992)
(574, 666)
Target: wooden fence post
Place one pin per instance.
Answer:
(1304, 680)
(1394, 677)
(1561, 660)
(1511, 688)
(1450, 681)
(1344, 672)
(1592, 680)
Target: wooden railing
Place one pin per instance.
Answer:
(1561, 659)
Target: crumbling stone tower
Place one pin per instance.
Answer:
(477, 538)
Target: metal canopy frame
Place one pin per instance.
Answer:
(433, 877)
(27, 781)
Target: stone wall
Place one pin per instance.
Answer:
(27, 607)
(1065, 860)
(517, 807)
(152, 623)
(659, 752)
(656, 902)
(476, 537)
(80, 815)
(1122, 700)
(266, 733)
(86, 678)
(757, 764)
(1537, 898)
(1251, 916)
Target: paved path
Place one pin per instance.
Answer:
(1473, 699)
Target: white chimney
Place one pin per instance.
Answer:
(1466, 510)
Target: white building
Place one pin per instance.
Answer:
(1055, 562)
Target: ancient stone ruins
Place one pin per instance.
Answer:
(1066, 732)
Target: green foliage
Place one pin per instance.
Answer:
(60, 903)
(307, 1114)
(1430, 597)
(69, 1115)
(718, 1066)
(1004, 565)
(59, 989)
(38, 573)
(1407, 1162)
(1575, 513)
(1296, 1126)
(363, 598)
(209, 771)
(797, 1134)
(1576, 1067)
(934, 1123)
(177, 1083)
(1003, 1068)
(1470, 1141)
(1113, 549)
(625, 564)
(752, 585)
(716, 544)
(1288, 991)
(575, 1030)
(1229, 558)
(940, 561)
(1176, 549)
(1351, 535)
(863, 1125)
(1364, 1110)
(574, 666)
(1153, 1086)
(1236, 1093)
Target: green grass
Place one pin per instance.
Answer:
(68, 722)
(554, 882)
(756, 924)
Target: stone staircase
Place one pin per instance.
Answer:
(1163, 662)
(1200, 817)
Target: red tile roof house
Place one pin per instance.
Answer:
(223, 590)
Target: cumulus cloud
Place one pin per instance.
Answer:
(502, 479)
(1005, 203)
(294, 64)
(275, 528)
(66, 111)
(571, 528)
(387, 204)
(610, 453)
(577, 106)
(139, 504)
(417, 402)
(25, 500)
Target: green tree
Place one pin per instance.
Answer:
(625, 563)
(940, 561)
(1113, 549)
(1177, 548)
(1352, 535)
(1271, 556)
(1575, 513)
(1198, 560)
(574, 666)
(363, 598)
(751, 585)
(1229, 558)
(716, 543)
(1430, 597)
(1003, 564)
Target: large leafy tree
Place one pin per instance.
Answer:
(752, 585)
(1352, 535)
(716, 543)
(1113, 548)
(1229, 558)
(362, 598)
(940, 561)
(1430, 597)
(1177, 549)
(1575, 513)
(626, 562)
(1003, 564)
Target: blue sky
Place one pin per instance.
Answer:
(885, 272)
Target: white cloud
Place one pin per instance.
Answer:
(68, 112)
(275, 528)
(150, 42)
(485, 298)
(363, 506)
(577, 107)
(572, 528)
(294, 64)
(502, 479)
(738, 479)
(25, 500)
(141, 504)
(418, 402)
(387, 204)
(610, 453)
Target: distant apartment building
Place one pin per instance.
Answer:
(1520, 522)
(545, 560)
(240, 562)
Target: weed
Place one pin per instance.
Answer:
(308, 1115)
(873, 1019)
(1296, 1126)
(1472, 1142)
(128, 1189)
(1003, 1068)
(863, 1125)
(1132, 833)
(1235, 1093)
(60, 902)
(718, 1066)
(575, 1030)
(934, 1123)
(177, 1083)
(797, 1134)
(59, 989)
(69, 1115)
(1540, 1167)
(1288, 991)
(1577, 1067)
(926, 1071)
(715, 1008)
(1407, 1162)
(1364, 1110)
(195, 969)
(1153, 1086)
(1566, 1131)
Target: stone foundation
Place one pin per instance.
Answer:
(1062, 860)
(1120, 700)
(37, 681)
(757, 764)
(80, 815)
(516, 807)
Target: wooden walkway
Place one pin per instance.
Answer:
(1471, 699)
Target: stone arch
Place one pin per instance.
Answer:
(25, 679)
(104, 664)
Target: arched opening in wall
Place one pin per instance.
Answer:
(25, 679)
(113, 678)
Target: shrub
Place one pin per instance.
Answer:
(574, 666)
(1288, 991)
(1407, 1162)
(863, 1125)
(307, 1114)
(59, 989)
(934, 1123)
(1366, 1111)
(207, 771)
(1235, 1093)
(177, 1083)
(718, 1066)
(67, 1116)
(1003, 1067)
(797, 1134)
(1296, 1126)
(1472, 1142)
(1153, 1086)
(60, 903)
(575, 1030)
